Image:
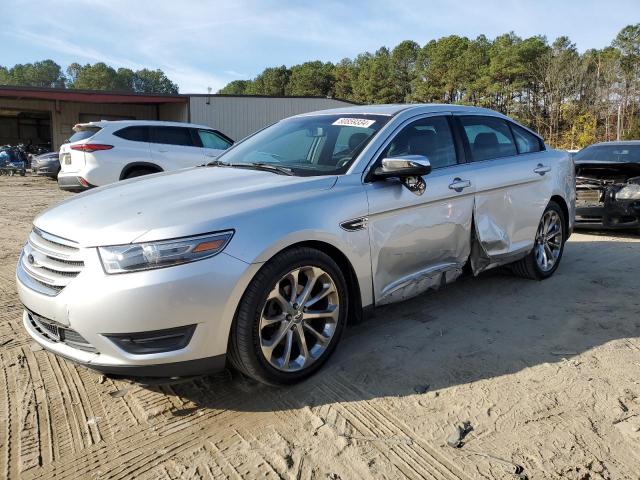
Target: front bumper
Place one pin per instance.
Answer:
(610, 215)
(95, 305)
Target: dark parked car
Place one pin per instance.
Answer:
(47, 164)
(608, 185)
(11, 162)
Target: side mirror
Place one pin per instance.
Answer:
(408, 168)
(405, 166)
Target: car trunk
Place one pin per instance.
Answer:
(73, 160)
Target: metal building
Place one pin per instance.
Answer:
(46, 116)
(238, 116)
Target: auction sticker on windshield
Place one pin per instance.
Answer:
(354, 122)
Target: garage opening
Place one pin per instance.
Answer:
(30, 128)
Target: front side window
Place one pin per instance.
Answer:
(488, 137)
(171, 136)
(210, 140)
(309, 145)
(430, 137)
(526, 142)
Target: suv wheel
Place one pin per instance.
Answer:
(138, 172)
(547, 251)
(290, 318)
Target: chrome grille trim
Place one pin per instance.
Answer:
(48, 263)
(56, 333)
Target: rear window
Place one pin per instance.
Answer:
(171, 136)
(86, 132)
(135, 134)
(488, 137)
(610, 153)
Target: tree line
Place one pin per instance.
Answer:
(98, 76)
(573, 99)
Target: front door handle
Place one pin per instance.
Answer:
(459, 184)
(542, 169)
(162, 150)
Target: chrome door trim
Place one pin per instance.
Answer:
(410, 285)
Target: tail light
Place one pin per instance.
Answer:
(91, 147)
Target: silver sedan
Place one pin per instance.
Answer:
(261, 257)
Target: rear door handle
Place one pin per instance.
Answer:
(459, 184)
(162, 150)
(542, 169)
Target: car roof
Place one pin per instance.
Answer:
(393, 109)
(127, 123)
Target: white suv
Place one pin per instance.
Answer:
(99, 153)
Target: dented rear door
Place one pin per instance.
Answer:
(511, 193)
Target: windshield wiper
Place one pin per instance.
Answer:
(267, 167)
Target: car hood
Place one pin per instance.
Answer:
(175, 204)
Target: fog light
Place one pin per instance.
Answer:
(156, 341)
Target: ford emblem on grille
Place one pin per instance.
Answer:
(30, 259)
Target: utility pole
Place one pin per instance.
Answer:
(619, 126)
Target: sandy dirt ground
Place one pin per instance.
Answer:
(547, 374)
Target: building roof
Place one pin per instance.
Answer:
(104, 96)
(90, 96)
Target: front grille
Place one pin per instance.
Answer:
(57, 333)
(48, 263)
(589, 196)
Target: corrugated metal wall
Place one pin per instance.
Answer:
(237, 117)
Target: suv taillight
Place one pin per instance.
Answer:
(91, 147)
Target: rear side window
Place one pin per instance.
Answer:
(526, 142)
(171, 136)
(430, 137)
(488, 137)
(209, 139)
(135, 134)
(86, 132)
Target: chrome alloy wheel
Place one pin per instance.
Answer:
(299, 319)
(548, 243)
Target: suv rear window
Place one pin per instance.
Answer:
(135, 134)
(83, 134)
(171, 136)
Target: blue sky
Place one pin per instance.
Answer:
(202, 44)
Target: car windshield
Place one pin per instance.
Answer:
(309, 145)
(609, 153)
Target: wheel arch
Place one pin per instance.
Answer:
(153, 167)
(565, 210)
(353, 285)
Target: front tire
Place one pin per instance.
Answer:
(544, 258)
(290, 318)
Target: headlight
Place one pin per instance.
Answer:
(630, 192)
(146, 256)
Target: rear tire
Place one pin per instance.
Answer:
(544, 258)
(138, 172)
(279, 337)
